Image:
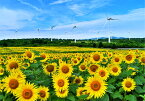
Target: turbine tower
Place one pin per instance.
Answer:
(74, 27)
(51, 28)
(108, 20)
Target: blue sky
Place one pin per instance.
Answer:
(26, 16)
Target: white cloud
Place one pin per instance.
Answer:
(59, 2)
(30, 5)
(133, 22)
(77, 9)
(86, 7)
(12, 19)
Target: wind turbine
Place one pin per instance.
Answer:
(74, 27)
(108, 21)
(16, 30)
(51, 28)
(38, 30)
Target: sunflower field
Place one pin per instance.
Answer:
(71, 74)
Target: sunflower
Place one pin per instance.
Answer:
(142, 59)
(1, 86)
(43, 93)
(92, 69)
(129, 58)
(117, 59)
(109, 54)
(82, 67)
(27, 92)
(65, 69)
(74, 61)
(128, 84)
(29, 55)
(12, 83)
(25, 65)
(115, 70)
(80, 91)
(83, 91)
(133, 69)
(102, 73)
(96, 57)
(44, 56)
(78, 80)
(62, 93)
(2, 60)
(50, 68)
(18, 73)
(1, 70)
(96, 87)
(12, 64)
(104, 60)
(60, 82)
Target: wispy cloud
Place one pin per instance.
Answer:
(86, 7)
(59, 2)
(12, 19)
(30, 5)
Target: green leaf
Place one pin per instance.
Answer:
(138, 89)
(71, 97)
(83, 96)
(130, 97)
(139, 80)
(73, 87)
(105, 98)
(117, 95)
(121, 90)
(110, 88)
(1, 97)
(111, 80)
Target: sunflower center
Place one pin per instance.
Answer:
(13, 65)
(129, 57)
(83, 67)
(96, 57)
(50, 68)
(128, 84)
(75, 61)
(143, 59)
(42, 93)
(77, 80)
(79, 58)
(93, 68)
(95, 85)
(60, 83)
(43, 56)
(102, 73)
(81, 92)
(116, 59)
(62, 91)
(65, 69)
(1, 70)
(115, 69)
(29, 54)
(13, 84)
(27, 93)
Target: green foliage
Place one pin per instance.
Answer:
(101, 43)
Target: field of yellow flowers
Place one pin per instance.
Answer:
(71, 74)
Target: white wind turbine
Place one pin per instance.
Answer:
(51, 28)
(108, 19)
(74, 27)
